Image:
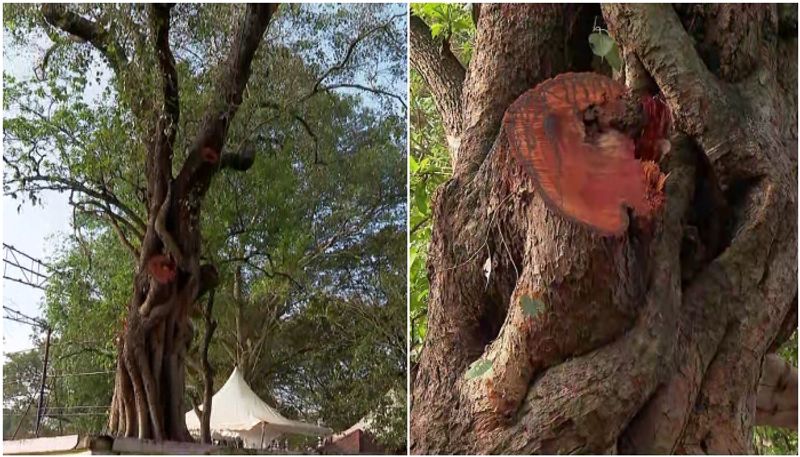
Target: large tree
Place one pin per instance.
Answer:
(310, 222)
(150, 381)
(564, 322)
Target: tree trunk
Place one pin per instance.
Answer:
(649, 340)
(148, 399)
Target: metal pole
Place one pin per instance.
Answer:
(22, 419)
(40, 410)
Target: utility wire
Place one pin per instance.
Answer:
(61, 375)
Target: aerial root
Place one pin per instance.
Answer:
(151, 392)
(138, 396)
(170, 245)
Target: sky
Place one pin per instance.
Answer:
(32, 230)
(35, 230)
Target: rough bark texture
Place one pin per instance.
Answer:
(148, 400)
(444, 75)
(651, 341)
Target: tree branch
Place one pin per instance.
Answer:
(63, 184)
(698, 103)
(58, 16)
(160, 24)
(444, 76)
(196, 173)
(125, 241)
(364, 88)
(349, 53)
(305, 125)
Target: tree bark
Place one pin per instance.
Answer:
(651, 341)
(444, 75)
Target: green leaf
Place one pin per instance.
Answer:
(478, 368)
(437, 29)
(613, 58)
(601, 44)
(531, 306)
(413, 164)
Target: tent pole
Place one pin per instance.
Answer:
(262, 436)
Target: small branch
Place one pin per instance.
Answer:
(104, 210)
(419, 224)
(305, 125)
(350, 50)
(58, 183)
(134, 252)
(364, 88)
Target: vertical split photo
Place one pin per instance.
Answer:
(399, 228)
(205, 227)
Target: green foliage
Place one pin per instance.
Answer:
(478, 368)
(775, 441)
(606, 48)
(451, 22)
(531, 306)
(309, 243)
(429, 166)
(22, 373)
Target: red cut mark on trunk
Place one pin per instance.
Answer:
(656, 125)
(561, 134)
(209, 155)
(161, 268)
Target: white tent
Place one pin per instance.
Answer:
(367, 423)
(236, 411)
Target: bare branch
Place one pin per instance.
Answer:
(121, 235)
(305, 125)
(350, 50)
(364, 88)
(46, 182)
(105, 210)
